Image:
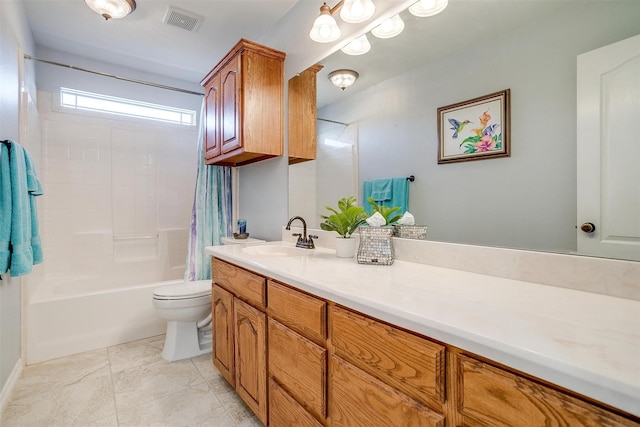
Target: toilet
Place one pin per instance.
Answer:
(187, 309)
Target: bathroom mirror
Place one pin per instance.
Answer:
(474, 48)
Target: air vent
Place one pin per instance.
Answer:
(182, 18)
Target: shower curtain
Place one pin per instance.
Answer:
(211, 212)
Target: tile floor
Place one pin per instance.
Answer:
(125, 385)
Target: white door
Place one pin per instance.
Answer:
(609, 151)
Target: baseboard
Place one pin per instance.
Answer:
(9, 385)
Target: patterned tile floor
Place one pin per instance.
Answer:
(125, 385)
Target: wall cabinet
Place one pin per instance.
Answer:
(239, 329)
(302, 114)
(244, 106)
(328, 365)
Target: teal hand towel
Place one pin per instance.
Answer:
(397, 190)
(5, 208)
(381, 189)
(35, 189)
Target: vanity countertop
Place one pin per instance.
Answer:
(585, 342)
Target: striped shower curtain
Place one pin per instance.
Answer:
(211, 212)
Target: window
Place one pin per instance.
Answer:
(125, 107)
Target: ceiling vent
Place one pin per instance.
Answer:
(182, 18)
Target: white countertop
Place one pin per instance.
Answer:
(586, 342)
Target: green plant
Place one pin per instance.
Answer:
(346, 219)
(385, 211)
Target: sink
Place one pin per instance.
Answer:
(277, 250)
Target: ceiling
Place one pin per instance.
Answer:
(142, 41)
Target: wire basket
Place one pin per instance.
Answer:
(410, 231)
(376, 245)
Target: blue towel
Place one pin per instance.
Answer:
(25, 248)
(388, 192)
(5, 208)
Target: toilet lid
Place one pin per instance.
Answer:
(184, 290)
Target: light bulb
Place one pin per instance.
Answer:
(389, 28)
(358, 46)
(355, 11)
(425, 8)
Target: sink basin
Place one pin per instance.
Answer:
(276, 250)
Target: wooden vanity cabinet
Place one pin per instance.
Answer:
(302, 127)
(331, 366)
(297, 356)
(239, 330)
(244, 106)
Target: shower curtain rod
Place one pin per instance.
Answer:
(100, 73)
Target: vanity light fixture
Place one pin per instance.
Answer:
(325, 28)
(343, 78)
(112, 9)
(359, 46)
(389, 28)
(425, 8)
(356, 11)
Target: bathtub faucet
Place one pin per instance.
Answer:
(304, 241)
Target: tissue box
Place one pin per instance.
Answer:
(410, 231)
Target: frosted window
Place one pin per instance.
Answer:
(125, 107)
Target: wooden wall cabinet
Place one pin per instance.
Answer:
(239, 330)
(302, 115)
(244, 106)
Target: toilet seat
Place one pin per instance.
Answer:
(183, 291)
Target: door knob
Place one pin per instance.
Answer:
(588, 227)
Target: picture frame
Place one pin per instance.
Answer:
(476, 129)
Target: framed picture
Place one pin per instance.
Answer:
(474, 130)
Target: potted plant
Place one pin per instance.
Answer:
(345, 221)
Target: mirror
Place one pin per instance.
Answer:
(474, 48)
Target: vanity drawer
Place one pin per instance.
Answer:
(299, 366)
(284, 411)
(242, 283)
(299, 311)
(358, 399)
(403, 360)
(491, 396)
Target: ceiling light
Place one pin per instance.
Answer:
(325, 28)
(343, 78)
(425, 8)
(112, 9)
(356, 11)
(359, 46)
(389, 28)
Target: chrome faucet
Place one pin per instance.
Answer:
(304, 241)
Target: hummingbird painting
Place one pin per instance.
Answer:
(457, 126)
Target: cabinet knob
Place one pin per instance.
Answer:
(588, 227)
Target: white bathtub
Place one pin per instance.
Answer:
(77, 314)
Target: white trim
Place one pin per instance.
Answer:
(9, 385)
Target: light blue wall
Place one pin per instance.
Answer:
(14, 35)
(527, 200)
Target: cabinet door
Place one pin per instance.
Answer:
(251, 357)
(212, 118)
(358, 399)
(491, 396)
(223, 352)
(230, 105)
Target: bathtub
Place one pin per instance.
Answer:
(77, 314)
